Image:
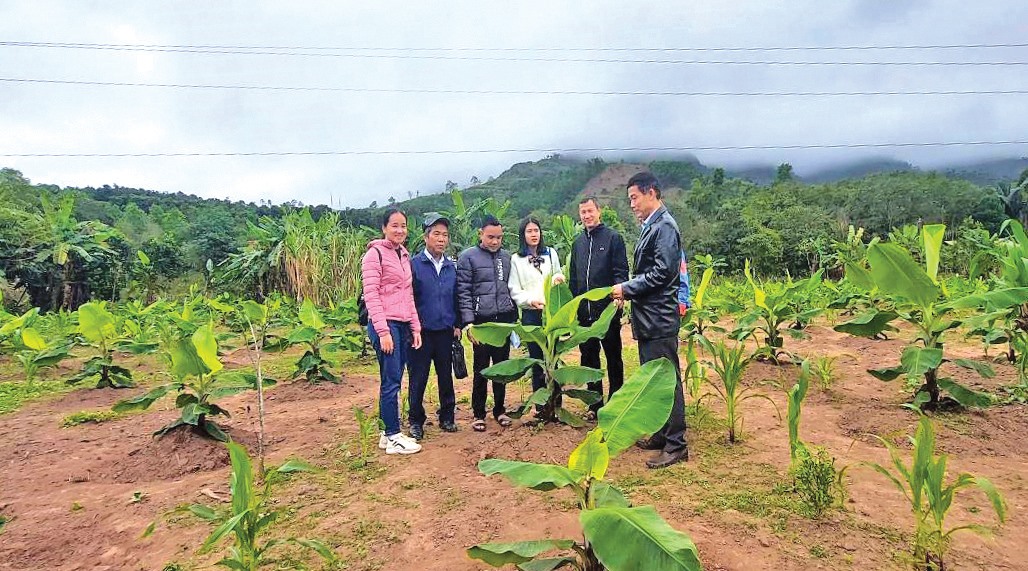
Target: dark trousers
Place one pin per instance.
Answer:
(482, 357)
(436, 348)
(534, 317)
(673, 431)
(611, 344)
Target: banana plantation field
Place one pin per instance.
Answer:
(875, 422)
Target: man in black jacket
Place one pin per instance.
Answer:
(483, 297)
(654, 296)
(599, 259)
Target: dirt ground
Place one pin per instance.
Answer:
(70, 490)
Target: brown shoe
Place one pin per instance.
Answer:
(665, 459)
(651, 443)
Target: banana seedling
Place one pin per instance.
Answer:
(915, 294)
(200, 381)
(617, 537)
(98, 329)
(770, 312)
(559, 334)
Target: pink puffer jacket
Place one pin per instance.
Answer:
(388, 289)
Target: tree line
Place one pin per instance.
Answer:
(60, 247)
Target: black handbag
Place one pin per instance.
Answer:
(460, 367)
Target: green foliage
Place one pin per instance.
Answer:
(22, 334)
(730, 364)
(823, 368)
(251, 515)
(816, 481)
(923, 484)
(797, 449)
(15, 394)
(300, 256)
(559, 334)
(98, 328)
(89, 416)
(367, 434)
(311, 333)
(617, 537)
(771, 310)
(48, 252)
(200, 382)
(916, 295)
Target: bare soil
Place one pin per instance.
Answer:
(70, 490)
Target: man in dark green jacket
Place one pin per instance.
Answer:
(653, 292)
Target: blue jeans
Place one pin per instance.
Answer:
(390, 372)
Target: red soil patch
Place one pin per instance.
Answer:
(422, 512)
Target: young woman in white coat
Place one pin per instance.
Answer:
(531, 266)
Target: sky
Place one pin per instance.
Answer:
(486, 46)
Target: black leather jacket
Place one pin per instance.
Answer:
(654, 289)
(482, 292)
(598, 259)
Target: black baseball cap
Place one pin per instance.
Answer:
(433, 218)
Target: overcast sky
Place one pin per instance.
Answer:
(54, 118)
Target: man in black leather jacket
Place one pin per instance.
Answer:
(483, 297)
(599, 259)
(654, 296)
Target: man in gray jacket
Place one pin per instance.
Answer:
(483, 297)
(654, 296)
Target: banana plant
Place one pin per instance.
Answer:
(11, 326)
(345, 319)
(56, 325)
(38, 353)
(564, 231)
(915, 295)
(1008, 325)
(32, 350)
(200, 380)
(146, 278)
(98, 328)
(559, 334)
(463, 218)
(250, 515)
(617, 537)
(770, 312)
(923, 483)
(311, 332)
(139, 326)
(173, 324)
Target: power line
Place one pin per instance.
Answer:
(537, 150)
(528, 59)
(520, 92)
(526, 49)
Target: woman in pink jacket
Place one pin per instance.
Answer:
(393, 324)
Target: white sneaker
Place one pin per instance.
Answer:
(382, 440)
(402, 444)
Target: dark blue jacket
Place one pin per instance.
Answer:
(435, 295)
